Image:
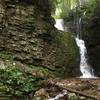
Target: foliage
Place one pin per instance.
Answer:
(90, 15)
(54, 4)
(73, 96)
(88, 12)
(85, 10)
(61, 8)
(20, 82)
(41, 71)
(17, 83)
(6, 56)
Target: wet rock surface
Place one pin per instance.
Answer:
(76, 89)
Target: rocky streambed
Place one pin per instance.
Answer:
(70, 89)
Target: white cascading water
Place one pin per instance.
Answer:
(85, 68)
(62, 94)
(60, 24)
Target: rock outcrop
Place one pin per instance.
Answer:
(27, 31)
(32, 49)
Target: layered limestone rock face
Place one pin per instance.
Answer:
(27, 32)
(31, 49)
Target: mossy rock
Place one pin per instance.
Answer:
(60, 52)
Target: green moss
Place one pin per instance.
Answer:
(6, 56)
(41, 70)
(67, 53)
(73, 96)
(56, 16)
(66, 42)
(70, 44)
(65, 48)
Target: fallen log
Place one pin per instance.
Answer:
(80, 93)
(54, 84)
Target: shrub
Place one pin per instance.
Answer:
(17, 83)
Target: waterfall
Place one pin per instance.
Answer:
(60, 24)
(85, 68)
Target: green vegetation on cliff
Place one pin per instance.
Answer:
(17, 79)
(14, 82)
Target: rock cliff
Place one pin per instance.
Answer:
(27, 32)
(31, 48)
